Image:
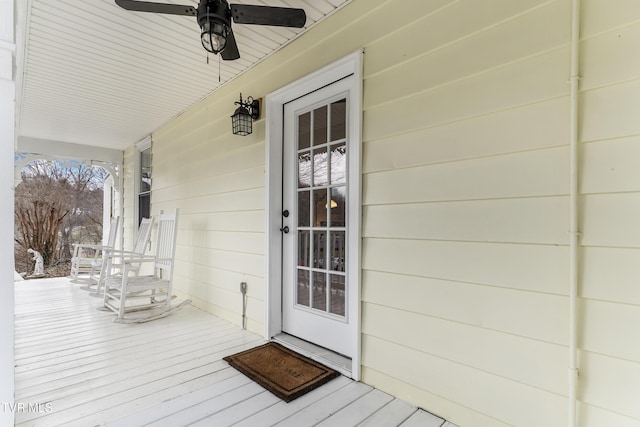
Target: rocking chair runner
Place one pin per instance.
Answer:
(112, 265)
(126, 293)
(87, 258)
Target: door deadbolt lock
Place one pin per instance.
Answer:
(285, 229)
(285, 213)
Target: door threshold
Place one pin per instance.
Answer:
(322, 355)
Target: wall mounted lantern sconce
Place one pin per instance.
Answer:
(244, 115)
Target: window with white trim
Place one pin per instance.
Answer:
(143, 180)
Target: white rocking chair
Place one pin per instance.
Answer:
(88, 257)
(126, 293)
(112, 265)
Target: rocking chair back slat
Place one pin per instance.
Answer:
(142, 238)
(166, 241)
(113, 232)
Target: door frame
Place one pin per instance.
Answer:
(274, 134)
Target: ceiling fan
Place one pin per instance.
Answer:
(215, 16)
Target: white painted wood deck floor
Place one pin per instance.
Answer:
(83, 370)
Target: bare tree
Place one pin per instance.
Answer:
(57, 205)
(84, 224)
(41, 203)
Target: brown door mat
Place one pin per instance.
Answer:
(283, 372)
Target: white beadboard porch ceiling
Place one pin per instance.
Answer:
(92, 73)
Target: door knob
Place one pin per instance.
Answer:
(285, 229)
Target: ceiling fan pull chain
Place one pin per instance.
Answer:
(218, 68)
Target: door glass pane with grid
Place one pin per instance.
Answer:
(321, 207)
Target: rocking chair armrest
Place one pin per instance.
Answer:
(121, 252)
(141, 258)
(90, 246)
(144, 259)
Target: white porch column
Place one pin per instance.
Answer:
(7, 132)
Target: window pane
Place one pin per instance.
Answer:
(144, 206)
(145, 170)
(320, 125)
(338, 164)
(302, 288)
(304, 131)
(304, 209)
(319, 249)
(338, 206)
(304, 169)
(320, 208)
(338, 250)
(320, 169)
(337, 300)
(338, 120)
(319, 291)
(304, 247)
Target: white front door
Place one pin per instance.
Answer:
(318, 294)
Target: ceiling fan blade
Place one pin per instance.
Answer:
(268, 15)
(144, 6)
(230, 51)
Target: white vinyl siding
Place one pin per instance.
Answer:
(218, 184)
(466, 214)
(465, 249)
(610, 188)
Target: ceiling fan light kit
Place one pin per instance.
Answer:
(215, 16)
(214, 24)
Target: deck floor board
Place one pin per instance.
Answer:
(72, 359)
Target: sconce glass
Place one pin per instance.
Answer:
(242, 118)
